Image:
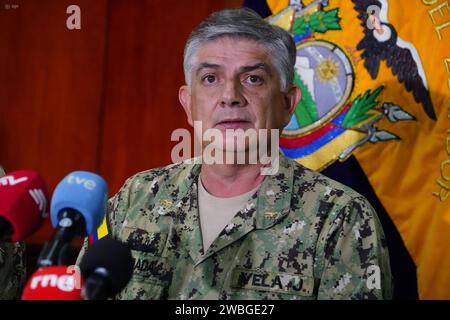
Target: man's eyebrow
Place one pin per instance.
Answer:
(263, 66)
(206, 65)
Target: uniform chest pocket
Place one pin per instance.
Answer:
(151, 273)
(143, 240)
(150, 279)
(147, 252)
(263, 284)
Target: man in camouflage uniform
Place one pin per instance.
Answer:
(12, 267)
(299, 235)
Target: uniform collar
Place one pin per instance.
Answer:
(179, 197)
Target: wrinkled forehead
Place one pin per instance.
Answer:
(231, 50)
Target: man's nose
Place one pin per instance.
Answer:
(232, 95)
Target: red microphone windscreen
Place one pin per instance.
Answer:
(23, 202)
(54, 283)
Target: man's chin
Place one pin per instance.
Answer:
(228, 146)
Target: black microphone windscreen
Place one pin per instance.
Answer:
(113, 256)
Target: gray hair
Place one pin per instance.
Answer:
(246, 24)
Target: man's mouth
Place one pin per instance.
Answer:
(233, 124)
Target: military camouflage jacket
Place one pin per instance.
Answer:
(301, 236)
(12, 270)
(12, 267)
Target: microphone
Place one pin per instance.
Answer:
(54, 283)
(23, 204)
(77, 209)
(107, 267)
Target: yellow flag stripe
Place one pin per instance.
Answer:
(102, 231)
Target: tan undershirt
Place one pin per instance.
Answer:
(215, 213)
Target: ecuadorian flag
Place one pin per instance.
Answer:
(102, 231)
(375, 78)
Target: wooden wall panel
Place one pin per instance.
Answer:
(50, 88)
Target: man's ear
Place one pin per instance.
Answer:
(292, 97)
(184, 96)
